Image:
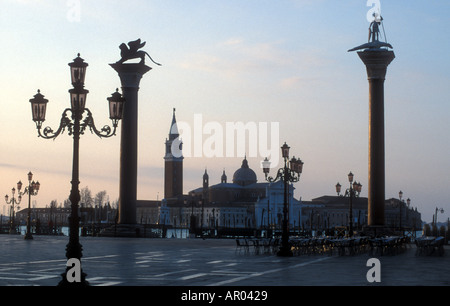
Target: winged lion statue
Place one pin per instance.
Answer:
(132, 51)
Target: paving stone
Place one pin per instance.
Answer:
(210, 262)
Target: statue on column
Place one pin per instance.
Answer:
(132, 51)
(374, 34)
(374, 28)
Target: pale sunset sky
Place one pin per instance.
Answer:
(250, 61)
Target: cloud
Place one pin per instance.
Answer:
(232, 42)
(237, 58)
(307, 68)
(264, 66)
(294, 82)
(27, 1)
(262, 53)
(306, 3)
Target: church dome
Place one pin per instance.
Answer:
(244, 175)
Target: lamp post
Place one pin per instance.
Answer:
(408, 203)
(400, 204)
(81, 119)
(12, 228)
(32, 189)
(441, 210)
(400, 195)
(289, 173)
(192, 221)
(353, 191)
(269, 231)
(202, 203)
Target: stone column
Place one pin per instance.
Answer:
(376, 61)
(130, 77)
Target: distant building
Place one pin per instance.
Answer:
(44, 216)
(269, 209)
(245, 203)
(334, 211)
(241, 203)
(58, 216)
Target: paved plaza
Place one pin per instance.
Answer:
(209, 262)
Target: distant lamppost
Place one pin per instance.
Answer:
(441, 210)
(290, 173)
(400, 195)
(400, 204)
(202, 203)
(81, 118)
(353, 191)
(32, 190)
(408, 203)
(192, 221)
(12, 227)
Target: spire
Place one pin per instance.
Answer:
(245, 162)
(173, 142)
(223, 179)
(205, 180)
(173, 133)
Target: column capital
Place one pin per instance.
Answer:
(376, 62)
(130, 74)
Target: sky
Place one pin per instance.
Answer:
(281, 64)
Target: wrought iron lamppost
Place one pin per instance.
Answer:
(400, 204)
(290, 173)
(353, 191)
(441, 210)
(408, 203)
(192, 220)
(81, 119)
(32, 189)
(202, 203)
(400, 195)
(12, 228)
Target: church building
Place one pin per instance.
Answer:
(241, 203)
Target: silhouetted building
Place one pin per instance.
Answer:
(173, 163)
(245, 203)
(333, 211)
(44, 215)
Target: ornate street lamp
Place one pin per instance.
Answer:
(353, 191)
(400, 195)
(192, 220)
(32, 189)
(81, 118)
(12, 226)
(441, 210)
(290, 173)
(338, 188)
(399, 204)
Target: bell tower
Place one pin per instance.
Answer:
(173, 163)
(205, 194)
